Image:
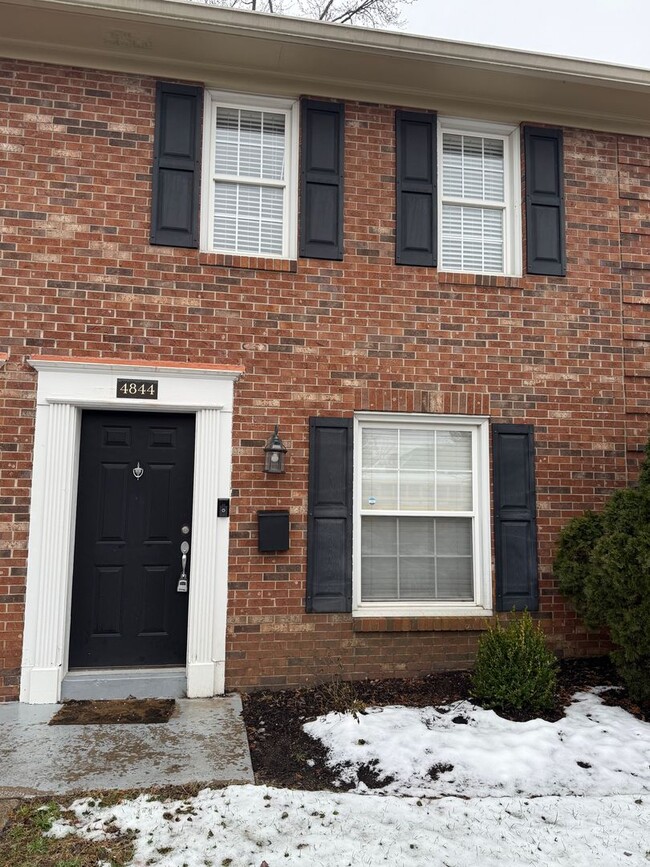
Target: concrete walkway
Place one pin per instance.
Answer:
(203, 742)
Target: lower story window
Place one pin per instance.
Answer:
(421, 515)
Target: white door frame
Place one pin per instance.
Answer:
(66, 386)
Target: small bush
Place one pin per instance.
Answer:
(340, 696)
(514, 670)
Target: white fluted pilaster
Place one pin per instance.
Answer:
(208, 574)
(55, 546)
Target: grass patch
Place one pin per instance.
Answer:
(23, 844)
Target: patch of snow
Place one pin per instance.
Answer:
(595, 750)
(253, 824)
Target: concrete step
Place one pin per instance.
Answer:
(203, 742)
(102, 683)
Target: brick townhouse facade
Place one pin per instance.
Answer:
(213, 223)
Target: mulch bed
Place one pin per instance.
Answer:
(116, 711)
(283, 755)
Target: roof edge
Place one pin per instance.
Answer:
(285, 28)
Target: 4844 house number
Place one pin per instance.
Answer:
(140, 389)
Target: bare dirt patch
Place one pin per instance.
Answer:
(284, 755)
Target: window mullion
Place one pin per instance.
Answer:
(399, 471)
(435, 559)
(237, 218)
(239, 137)
(399, 593)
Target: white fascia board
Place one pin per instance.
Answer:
(285, 28)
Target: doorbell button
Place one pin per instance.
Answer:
(223, 508)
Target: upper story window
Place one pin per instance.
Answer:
(250, 169)
(479, 189)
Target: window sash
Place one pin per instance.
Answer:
(417, 570)
(236, 234)
(479, 257)
(419, 463)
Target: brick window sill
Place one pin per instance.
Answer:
(432, 624)
(489, 280)
(250, 263)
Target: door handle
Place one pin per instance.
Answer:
(181, 587)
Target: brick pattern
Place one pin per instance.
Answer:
(634, 215)
(79, 277)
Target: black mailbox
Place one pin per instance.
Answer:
(273, 531)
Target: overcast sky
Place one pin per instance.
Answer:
(613, 30)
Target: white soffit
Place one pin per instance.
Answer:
(289, 56)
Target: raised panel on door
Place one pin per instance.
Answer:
(107, 601)
(154, 608)
(112, 497)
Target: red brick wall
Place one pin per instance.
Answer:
(78, 277)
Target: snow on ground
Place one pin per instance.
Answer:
(592, 816)
(250, 825)
(464, 750)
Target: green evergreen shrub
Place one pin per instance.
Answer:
(514, 670)
(603, 563)
(573, 558)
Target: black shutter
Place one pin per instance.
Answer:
(329, 523)
(515, 529)
(416, 206)
(321, 180)
(545, 227)
(177, 166)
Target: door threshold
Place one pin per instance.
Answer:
(107, 683)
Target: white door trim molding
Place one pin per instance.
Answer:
(65, 386)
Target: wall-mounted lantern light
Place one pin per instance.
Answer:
(274, 452)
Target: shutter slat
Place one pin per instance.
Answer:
(515, 529)
(545, 224)
(321, 180)
(177, 166)
(416, 205)
(329, 523)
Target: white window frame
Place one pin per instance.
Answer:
(510, 135)
(287, 107)
(481, 605)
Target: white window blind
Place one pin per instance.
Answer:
(250, 153)
(474, 206)
(417, 514)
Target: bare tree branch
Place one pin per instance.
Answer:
(371, 13)
(325, 11)
(349, 14)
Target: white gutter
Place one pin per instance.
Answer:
(283, 28)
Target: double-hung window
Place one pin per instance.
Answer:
(479, 191)
(421, 515)
(249, 192)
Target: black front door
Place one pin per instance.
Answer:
(134, 510)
